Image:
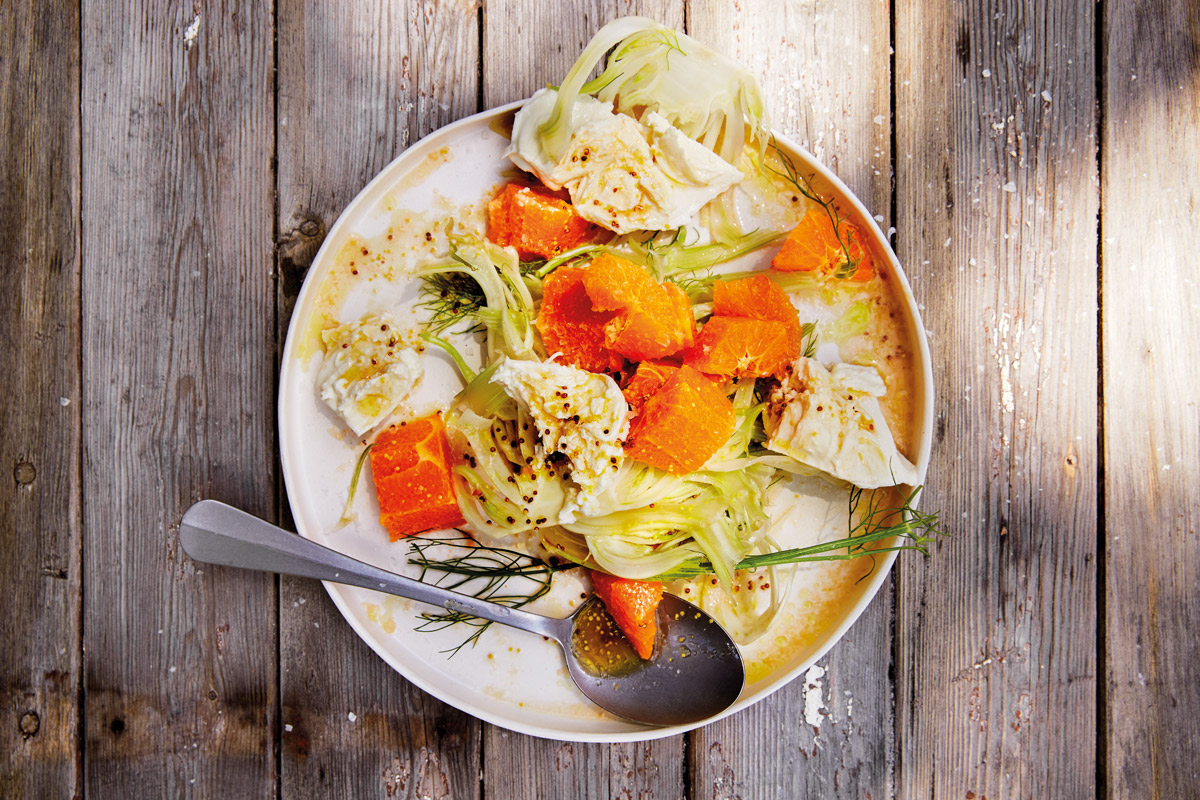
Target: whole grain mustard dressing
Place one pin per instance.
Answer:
(601, 647)
(410, 240)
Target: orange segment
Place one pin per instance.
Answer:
(757, 297)
(682, 424)
(648, 379)
(410, 463)
(536, 222)
(813, 246)
(569, 325)
(743, 347)
(632, 605)
(653, 320)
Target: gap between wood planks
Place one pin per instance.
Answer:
(280, 489)
(1101, 743)
(894, 212)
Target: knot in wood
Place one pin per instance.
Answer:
(30, 723)
(24, 473)
(310, 227)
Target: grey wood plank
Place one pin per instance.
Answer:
(522, 766)
(352, 726)
(996, 208)
(357, 84)
(825, 71)
(178, 344)
(1151, 346)
(40, 410)
(526, 46)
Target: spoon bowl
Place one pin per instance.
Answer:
(695, 672)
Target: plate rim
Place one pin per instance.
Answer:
(923, 386)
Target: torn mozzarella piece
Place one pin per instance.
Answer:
(525, 149)
(581, 415)
(367, 372)
(830, 419)
(622, 174)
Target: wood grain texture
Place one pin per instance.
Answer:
(352, 726)
(357, 84)
(527, 46)
(996, 207)
(39, 410)
(522, 766)
(152, 252)
(178, 384)
(1150, 254)
(825, 71)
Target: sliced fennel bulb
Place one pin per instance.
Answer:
(712, 99)
(507, 312)
(646, 522)
(652, 521)
(503, 486)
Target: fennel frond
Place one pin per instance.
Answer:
(479, 571)
(808, 339)
(452, 297)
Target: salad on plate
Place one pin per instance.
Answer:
(651, 349)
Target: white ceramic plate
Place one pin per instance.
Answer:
(510, 678)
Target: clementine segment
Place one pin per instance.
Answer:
(743, 347)
(536, 222)
(410, 463)
(758, 297)
(682, 424)
(569, 325)
(653, 320)
(632, 605)
(813, 246)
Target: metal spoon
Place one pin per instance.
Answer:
(695, 673)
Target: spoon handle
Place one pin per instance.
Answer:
(220, 534)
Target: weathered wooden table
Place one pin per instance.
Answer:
(167, 172)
